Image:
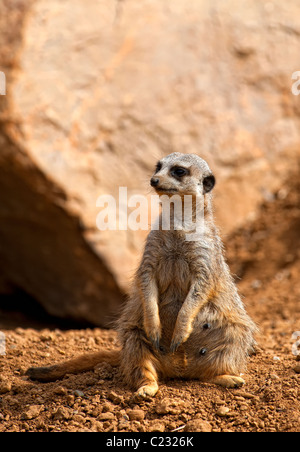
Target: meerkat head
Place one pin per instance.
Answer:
(182, 174)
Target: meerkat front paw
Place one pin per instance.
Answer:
(153, 333)
(147, 390)
(228, 381)
(177, 340)
(180, 335)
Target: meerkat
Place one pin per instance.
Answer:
(184, 317)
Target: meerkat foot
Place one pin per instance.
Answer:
(228, 381)
(148, 385)
(147, 390)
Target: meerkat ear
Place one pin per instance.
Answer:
(208, 183)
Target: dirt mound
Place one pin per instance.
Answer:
(264, 255)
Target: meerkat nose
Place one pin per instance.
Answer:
(154, 182)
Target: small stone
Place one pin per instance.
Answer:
(107, 407)
(297, 368)
(244, 407)
(198, 425)
(274, 377)
(136, 415)
(223, 411)
(245, 395)
(256, 284)
(60, 390)
(162, 407)
(261, 424)
(62, 414)
(78, 418)
(47, 336)
(156, 426)
(115, 398)
(78, 393)
(106, 416)
(5, 386)
(32, 412)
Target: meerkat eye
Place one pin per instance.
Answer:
(178, 171)
(158, 167)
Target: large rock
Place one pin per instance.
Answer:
(98, 91)
(43, 250)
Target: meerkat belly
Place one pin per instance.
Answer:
(174, 279)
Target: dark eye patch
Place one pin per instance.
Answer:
(179, 171)
(158, 167)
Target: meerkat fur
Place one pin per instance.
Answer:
(184, 317)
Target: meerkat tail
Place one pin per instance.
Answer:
(82, 363)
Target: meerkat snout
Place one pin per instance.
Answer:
(154, 182)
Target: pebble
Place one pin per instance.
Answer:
(60, 390)
(115, 398)
(78, 418)
(223, 411)
(47, 336)
(156, 426)
(123, 425)
(198, 425)
(274, 377)
(32, 412)
(62, 414)
(297, 368)
(244, 407)
(5, 386)
(163, 407)
(106, 416)
(78, 393)
(256, 284)
(136, 415)
(261, 424)
(245, 395)
(107, 407)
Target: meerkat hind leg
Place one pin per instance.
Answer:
(228, 381)
(148, 385)
(138, 366)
